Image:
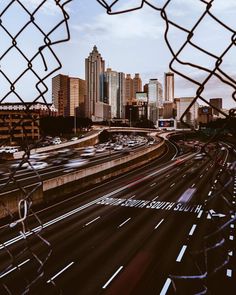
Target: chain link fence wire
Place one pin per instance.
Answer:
(217, 240)
(22, 60)
(38, 66)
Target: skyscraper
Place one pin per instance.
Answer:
(112, 85)
(60, 94)
(191, 117)
(155, 92)
(169, 87)
(145, 88)
(74, 95)
(94, 76)
(121, 96)
(128, 88)
(216, 103)
(137, 84)
(68, 95)
(155, 99)
(114, 92)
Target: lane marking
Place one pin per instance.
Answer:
(193, 185)
(57, 219)
(153, 184)
(231, 238)
(230, 253)
(232, 225)
(209, 194)
(201, 175)
(184, 175)
(181, 253)
(192, 229)
(14, 268)
(114, 275)
(61, 271)
(124, 222)
(155, 198)
(200, 214)
(88, 223)
(229, 273)
(166, 287)
(167, 175)
(172, 184)
(159, 223)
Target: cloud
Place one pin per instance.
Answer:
(140, 24)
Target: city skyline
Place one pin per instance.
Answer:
(131, 45)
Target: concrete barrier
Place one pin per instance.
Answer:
(10, 200)
(87, 140)
(71, 182)
(53, 188)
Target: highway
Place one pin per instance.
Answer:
(128, 235)
(26, 177)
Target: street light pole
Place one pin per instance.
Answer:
(109, 122)
(75, 121)
(130, 111)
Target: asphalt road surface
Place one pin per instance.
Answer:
(146, 232)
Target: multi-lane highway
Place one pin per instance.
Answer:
(131, 235)
(25, 176)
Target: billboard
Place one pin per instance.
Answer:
(168, 123)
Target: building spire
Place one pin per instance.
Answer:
(95, 49)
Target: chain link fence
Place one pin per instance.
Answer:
(38, 66)
(27, 54)
(215, 241)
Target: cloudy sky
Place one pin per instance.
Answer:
(131, 42)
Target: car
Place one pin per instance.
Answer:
(37, 165)
(74, 138)
(56, 141)
(18, 165)
(2, 149)
(88, 154)
(198, 157)
(100, 149)
(132, 144)
(41, 156)
(118, 148)
(151, 142)
(73, 163)
(10, 149)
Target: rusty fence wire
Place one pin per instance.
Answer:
(19, 220)
(217, 240)
(32, 63)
